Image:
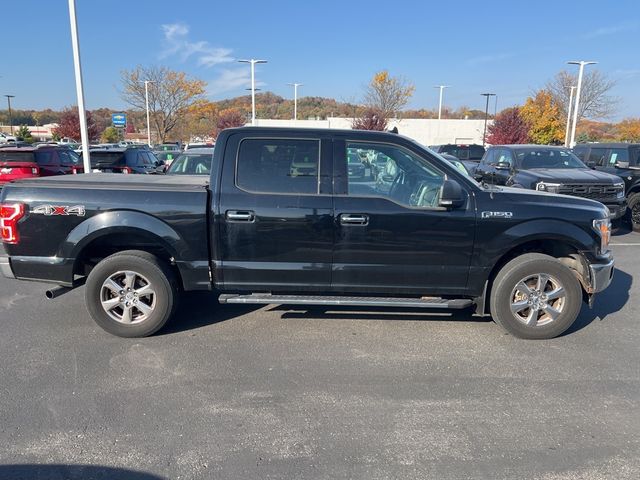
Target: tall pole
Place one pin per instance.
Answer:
(441, 87)
(486, 115)
(566, 133)
(84, 137)
(146, 99)
(295, 98)
(9, 97)
(253, 63)
(582, 64)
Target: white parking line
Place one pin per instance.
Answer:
(625, 244)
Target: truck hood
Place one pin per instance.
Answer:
(569, 175)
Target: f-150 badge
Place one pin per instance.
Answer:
(497, 214)
(56, 210)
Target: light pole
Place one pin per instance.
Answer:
(84, 137)
(295, 98)
(441, 87)
(582, 63)
(146, 99)
(9, 97)
(566, 133)
(486, 114)
(253, 63)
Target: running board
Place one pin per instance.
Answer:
(427, 302)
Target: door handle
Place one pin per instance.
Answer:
(354, 219)
(240, 216)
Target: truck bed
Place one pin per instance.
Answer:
(111, 180)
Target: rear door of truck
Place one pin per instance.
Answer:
(275, 213)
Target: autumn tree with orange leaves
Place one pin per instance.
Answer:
(171, 95)
(543, 115)
(387, 94)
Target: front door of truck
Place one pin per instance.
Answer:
(391, 235)
(275, 216)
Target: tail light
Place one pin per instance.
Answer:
(74, 171)
(10, 213)
(126, 170)
(34, 170)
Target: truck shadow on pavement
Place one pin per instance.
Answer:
(612, 300)
(199, 309)
(71, 472)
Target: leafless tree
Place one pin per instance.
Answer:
(387, 94)
(171, 94)
(595, 101)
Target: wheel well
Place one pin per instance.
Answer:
(564, 252)
(106, 245)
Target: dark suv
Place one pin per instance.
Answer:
(621, 159)
(461, 152)
(551, 169)
(123, 160)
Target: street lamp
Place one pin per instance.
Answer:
(84, 137)
(441, 87)
(295, 98)
(146, 99)
(566, 133)
(9, 97)
(486, 114)
(253, 63)
(582, 64)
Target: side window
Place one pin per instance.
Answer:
(489, 158)
(68, 158)
(618, 155)
(580, 152)
(598, 156)
(406, 178)
(278, 166)
(504, 156)
(45, 158)
(476, 152)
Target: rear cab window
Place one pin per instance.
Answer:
(278, 165)
(17, 157)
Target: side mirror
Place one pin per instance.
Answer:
(503, 166)
(160, 169)
(452, 195)
(621, 165)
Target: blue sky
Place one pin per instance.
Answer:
(332, 47)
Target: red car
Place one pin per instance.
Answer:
(16, 163)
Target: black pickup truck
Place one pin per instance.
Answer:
(551, 169)
(279, 220)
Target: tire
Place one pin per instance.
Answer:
(554, 316)
(633, 206)
(150, 300)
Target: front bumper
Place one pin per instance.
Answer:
(5, 267)
(617, 210)
(601, 275)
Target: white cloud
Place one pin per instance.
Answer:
(177, 42)
(612, 30)
(488, 58)
(231, 79)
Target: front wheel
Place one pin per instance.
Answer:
(633, 206)
(131, 294)
(535, 296)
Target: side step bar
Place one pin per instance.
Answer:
(427, 302)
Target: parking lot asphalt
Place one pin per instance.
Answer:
(279, 392)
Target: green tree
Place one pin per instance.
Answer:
(24, 134)
(110, 135)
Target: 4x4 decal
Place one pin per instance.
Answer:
(56, 210)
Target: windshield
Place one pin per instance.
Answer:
(191, 164)
(531, 158)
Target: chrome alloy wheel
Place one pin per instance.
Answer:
(127, 297)
(537, 299)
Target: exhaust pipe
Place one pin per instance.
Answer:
(57, 291)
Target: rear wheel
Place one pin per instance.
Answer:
(633, 205)
(131, 294)
(535, 296)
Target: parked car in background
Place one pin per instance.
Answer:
(355, 167)
(191, 146)
(551, 169)
(456, 163)
(461, 151)
(196, 162)
(123, 160)
(166, 157)
(167, 146)
(17, 163)
(67, 140)
(621, 159)
(6, 138)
